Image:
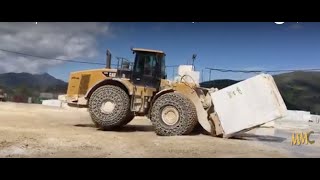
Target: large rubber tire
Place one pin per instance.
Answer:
(187, 115)
(120, 115)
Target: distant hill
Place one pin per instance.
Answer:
(30, 85)
(220, 84)
(300, 90)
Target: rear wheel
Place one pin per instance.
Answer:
(109, 107)
(173, 114)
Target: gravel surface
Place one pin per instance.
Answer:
(28, 130)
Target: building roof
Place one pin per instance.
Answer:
(147, 50)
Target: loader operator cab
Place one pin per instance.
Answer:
(148, 68)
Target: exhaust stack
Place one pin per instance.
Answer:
(108, 64)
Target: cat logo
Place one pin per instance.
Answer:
(110, 74)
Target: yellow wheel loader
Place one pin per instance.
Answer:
(115, 96)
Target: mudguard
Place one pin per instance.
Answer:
(105, 81)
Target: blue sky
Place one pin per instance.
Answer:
(217, 45)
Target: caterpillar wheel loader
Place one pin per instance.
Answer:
(115, 96)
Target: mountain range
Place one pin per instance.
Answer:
(26, 85)
(300, 90)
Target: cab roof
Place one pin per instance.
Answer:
(147, 50)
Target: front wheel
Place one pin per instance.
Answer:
(173, 114)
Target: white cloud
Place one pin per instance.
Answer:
(52, 39)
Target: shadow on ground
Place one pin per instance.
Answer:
(85, 125)
(126, 128)
(134, 128)
(254, 137)
(197, 131)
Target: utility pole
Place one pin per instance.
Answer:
(194, 56)
(173, 73)
(202, 75)
(210, 75)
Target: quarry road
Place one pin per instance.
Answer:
(28, 130)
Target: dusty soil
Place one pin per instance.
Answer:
(38, 131)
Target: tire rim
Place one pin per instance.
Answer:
(107, 107)
(170, 115)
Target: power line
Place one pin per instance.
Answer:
(65, 60)
(54, 59)
(229, 70)
(173, 66)
(288, 70)
(259, 71)
(211, 69)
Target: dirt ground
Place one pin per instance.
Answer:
(39, 131)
